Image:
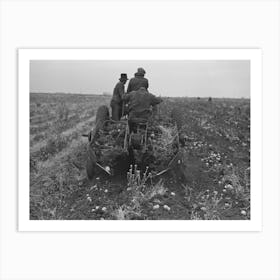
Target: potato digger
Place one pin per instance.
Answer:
(113, 146)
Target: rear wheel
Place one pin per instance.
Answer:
(102, 116)
(91, 167)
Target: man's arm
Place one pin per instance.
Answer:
(155, 100)
(126, 96)
(129, 87)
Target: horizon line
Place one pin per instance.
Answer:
(110, 94)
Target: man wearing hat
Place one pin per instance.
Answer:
(138, 81)
(116, 101)
(140, 104)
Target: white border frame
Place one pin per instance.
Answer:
(254, 55)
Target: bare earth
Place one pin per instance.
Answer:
(214, 183)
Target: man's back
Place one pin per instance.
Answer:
(137, 82)
(140, 102)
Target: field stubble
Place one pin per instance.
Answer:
(211, 182)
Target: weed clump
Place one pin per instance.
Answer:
(142, 191)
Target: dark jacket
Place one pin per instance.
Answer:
(118, 93)
(137, 82)
(139, 103)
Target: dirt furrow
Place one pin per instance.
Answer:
(79, 127)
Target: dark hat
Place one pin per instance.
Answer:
(141, 70)
(123, 76)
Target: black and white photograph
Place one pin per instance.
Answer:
(140, 140)
(141, 137)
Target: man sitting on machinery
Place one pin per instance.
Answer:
(138, 81)
(140, 105)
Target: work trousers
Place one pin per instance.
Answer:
(116, 111)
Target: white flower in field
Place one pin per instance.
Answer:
(89, 199)
(104, 209)
(96, 207)
(105, 190)
(243, 212)
(224, 190)
(203, 208)
(152, 135)
(166, 207)
(172, 193)
(207, 163)
(93, 210)
(215, 192)
(156, 207)
(97, 178)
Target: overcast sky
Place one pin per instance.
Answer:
(166, 78)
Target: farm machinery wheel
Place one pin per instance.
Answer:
(102, 116)
(107, 144)
(90, 163)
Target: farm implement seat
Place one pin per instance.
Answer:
(138, 130)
